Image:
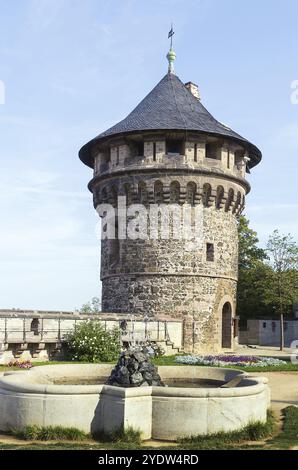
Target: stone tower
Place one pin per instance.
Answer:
(171, 150)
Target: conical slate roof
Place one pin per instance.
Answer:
(170, 106)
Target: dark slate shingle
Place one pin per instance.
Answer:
(170, 106)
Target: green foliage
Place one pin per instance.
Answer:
(286, 439)
(94, 306)
(289, 436)
(50, 433)
(127, 435)
(249, 252)
(282, 289)
(253, 273)
(290, 426)
(90, 342)
(251, 432)
(268, 279)
(252, 291)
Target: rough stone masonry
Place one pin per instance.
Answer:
(171, 150)
(134, 369)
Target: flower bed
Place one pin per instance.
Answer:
(250, 361)
(20, 364)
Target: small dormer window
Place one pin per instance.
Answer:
(34, 327)
(212, 151)
(174, 147)
(239, 156)
(140, 149)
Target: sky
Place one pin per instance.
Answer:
(70, 69)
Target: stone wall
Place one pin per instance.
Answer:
(266, 332)
(175, 277)
(41, 335)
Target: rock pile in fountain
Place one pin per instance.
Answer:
(134, 369)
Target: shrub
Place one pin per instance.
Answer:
(127, 436)
(50, 433)
(90, 342)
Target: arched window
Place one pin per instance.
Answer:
(191, 190)
(123, 326)
(158, 192)
(230, 199)
(114, 196)
(227, 325)
(219, 196)
(238, 201)
(206, 194)
(174, 192)
(34, 327)
(142, 192)
(128, 194)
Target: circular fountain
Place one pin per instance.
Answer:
(195, 400)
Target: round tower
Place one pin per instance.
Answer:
(171, 152)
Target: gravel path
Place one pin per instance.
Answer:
(284, 388)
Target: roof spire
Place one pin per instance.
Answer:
(171, 56)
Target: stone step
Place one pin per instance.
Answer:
(169, 347)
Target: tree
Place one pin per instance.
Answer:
(252, 272)
(94, 306)
(283, 252)
(249, 252)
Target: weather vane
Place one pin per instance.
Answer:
(171, 56)
(171, 34)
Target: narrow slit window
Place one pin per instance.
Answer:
(154, 151)
(117, 156)
(196, 153)
(210, 252)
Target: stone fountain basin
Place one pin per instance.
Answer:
(30, 397)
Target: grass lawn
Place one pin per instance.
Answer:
(256, 437)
